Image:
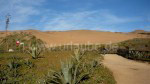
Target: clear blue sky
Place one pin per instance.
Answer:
(110, 15)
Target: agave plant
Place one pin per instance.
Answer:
(78, 55)
(69, 74)
(34, 51)
(72, 72)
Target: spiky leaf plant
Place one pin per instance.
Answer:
(78, 55)
(69, 74)
(34, 51)
(72, 72)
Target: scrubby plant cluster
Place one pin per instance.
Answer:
(137, 55)
(136, 49)
(31, 44)
(9, 42)
(11, 74)
(134, 54)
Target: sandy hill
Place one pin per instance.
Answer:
(79, 36)
(139, 31)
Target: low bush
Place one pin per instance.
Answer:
(136, 49)
(134, 54)
(9, 42)
(11, 73)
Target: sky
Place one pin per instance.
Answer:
(59, 15)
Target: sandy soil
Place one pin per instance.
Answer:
(127, 71)
(78, 36)
(82, 36)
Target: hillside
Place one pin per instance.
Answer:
(79, 36)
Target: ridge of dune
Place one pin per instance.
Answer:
(80, 36)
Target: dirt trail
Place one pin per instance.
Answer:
(127, 71)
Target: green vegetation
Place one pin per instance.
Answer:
(21, 68)
(136, 49)
(72, 72)
(136, 44)
(82, 69)
(66, 67)
(98, 73)
(9, 42)
(10, 72)
(35, 51)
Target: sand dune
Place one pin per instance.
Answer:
(80, 36)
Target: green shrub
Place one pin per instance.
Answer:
(14, 62)
(9, 42)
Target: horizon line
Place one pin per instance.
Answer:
(74, 30)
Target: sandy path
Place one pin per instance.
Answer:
(127, 71)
